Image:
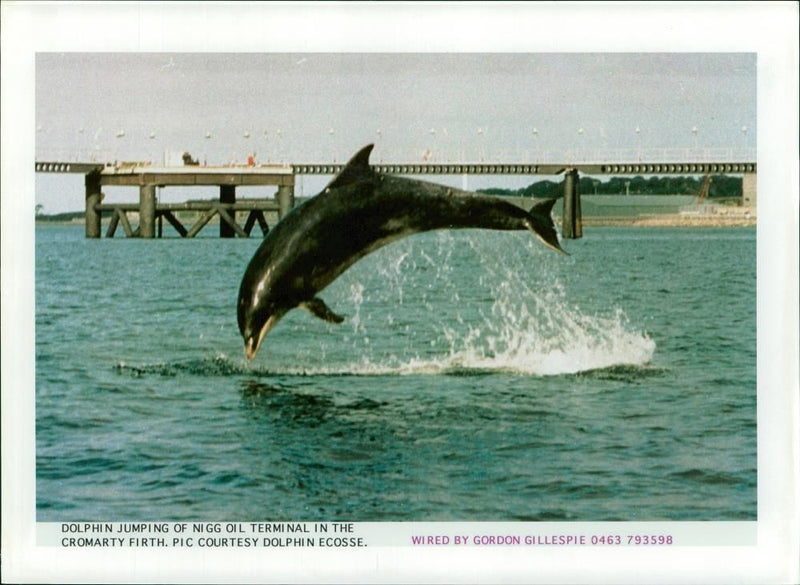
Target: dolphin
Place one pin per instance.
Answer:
(359, 211)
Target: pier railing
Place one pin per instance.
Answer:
(443, 155)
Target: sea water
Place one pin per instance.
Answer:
(478, 377)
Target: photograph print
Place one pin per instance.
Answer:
(395, 287)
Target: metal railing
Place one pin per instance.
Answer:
(413, 156)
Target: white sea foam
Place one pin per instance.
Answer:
(585, 343)
(515, 316)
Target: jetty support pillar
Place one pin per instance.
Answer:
(571, 219)
(285, 196)
(227, 194)
(93, 197)
(749, 198)
(147, 211)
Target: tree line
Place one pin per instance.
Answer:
(721, 186)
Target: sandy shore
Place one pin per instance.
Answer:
(673, 220)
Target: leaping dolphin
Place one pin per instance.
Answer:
(359, 211)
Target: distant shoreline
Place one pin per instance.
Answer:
(598, 210)
(672, 220)
(655, 221)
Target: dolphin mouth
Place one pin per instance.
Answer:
(250, 349)
(253, 343)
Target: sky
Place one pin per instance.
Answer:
(321, 107)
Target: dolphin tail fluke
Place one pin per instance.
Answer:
(541, 223)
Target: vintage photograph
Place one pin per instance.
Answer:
(399, 293)
(538, 273)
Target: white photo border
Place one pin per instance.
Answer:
(768, 29)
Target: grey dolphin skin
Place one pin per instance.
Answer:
(358, 212)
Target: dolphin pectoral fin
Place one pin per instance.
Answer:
(318, 308)
(540, 222)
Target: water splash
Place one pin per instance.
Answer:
(513, 315)
(448, 303)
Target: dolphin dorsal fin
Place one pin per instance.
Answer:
(355, 169)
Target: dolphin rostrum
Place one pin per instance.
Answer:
(358, 212)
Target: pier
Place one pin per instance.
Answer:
(152, 214)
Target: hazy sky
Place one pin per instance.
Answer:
(181, 97)
(323, 106)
